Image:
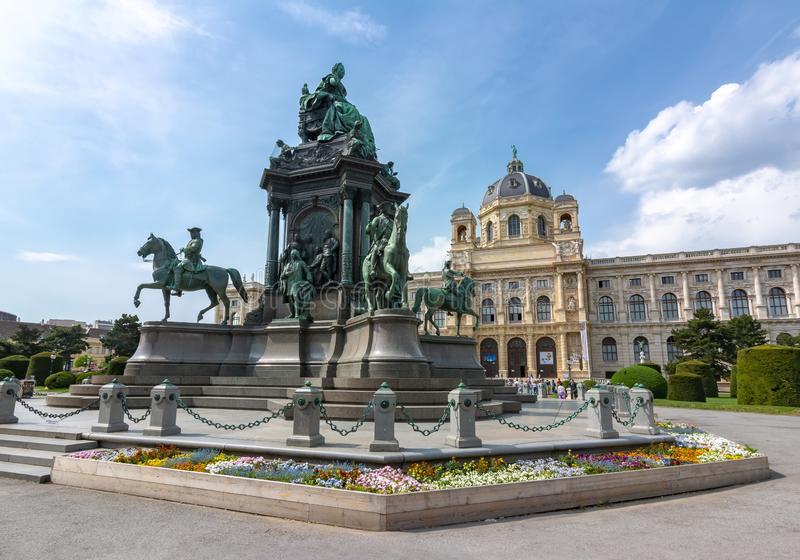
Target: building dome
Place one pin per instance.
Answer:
(515, 183)
(565, 198)
(463, 211)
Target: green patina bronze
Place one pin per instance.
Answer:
(385, 268)
(297, 286)
(188, 274)
(454, 296)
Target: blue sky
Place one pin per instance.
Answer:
(675, 124)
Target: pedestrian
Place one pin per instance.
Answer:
(562, 393)
(573, 389)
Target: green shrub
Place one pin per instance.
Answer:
(647, 376)
(733, 382)
(40, 366)
(686, 387)
(6, 373)
(18, 364)
(589, 383)
(768, 375)
(652, 365)
(117, 366)
(60, 380)
(704, 370)
(81, 376)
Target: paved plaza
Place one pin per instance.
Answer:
(754, 521)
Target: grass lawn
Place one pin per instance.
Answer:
(728, 404)
(43, 389)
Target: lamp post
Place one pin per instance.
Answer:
(52, 359)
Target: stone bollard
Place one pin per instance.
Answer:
(10, 388)
(622, 400)
(582, 390)
(163, 410)
(645, 420)
(601, 423)
(305, 428)
(462, 417)
(384, 404)
(112, 413)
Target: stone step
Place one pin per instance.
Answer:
(46, 444)
(28, 456)
(149, 380)
(19, 471)
(71, 401)
(133, 390)
(419, 413)
(243, 391)
(518, 397)
(238, 403)
(40, 431)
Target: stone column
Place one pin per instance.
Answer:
(347, 239)
(530, 308)
(462, 417)
(384, 404)
(559, 293)
(760, 310)
(601, 423)
(687, 305)
(722, 306)
(621, 305)
(271, 267)
(163, 410)
(654, 310)
(363, 237)
(112, 414)
(563, 354)
(502, 356)
(796, 290)
(581, 297)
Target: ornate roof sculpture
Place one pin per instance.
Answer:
(515, 183)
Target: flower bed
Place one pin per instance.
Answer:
(692, 446)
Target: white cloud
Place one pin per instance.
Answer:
(45, 257)
(351, 25)
(430, 257)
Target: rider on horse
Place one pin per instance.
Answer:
(449, 284)
(379, 230)
(192, 260)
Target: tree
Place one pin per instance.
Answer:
(28, 339)
(744, 332)
(66, 341)
(8, 347)
(123, 338)
(705, 338)
(784, 339)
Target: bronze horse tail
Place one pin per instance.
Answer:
(236, 278)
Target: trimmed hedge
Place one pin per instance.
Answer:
(6, 373)
(18, 364)
(652, 365)
(589, 384)
(704, 370)
(117, 366)
(81, 376)
(40, 367)
(768, 375)
(733, 382)
(647, 376)
(686, 387)
(60, 380)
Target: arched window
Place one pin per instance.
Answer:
(566, 222)
(636, 308)
(541, 226)
(739, 304)
(514, 228)
(487, 312)
(514, 310)
(440, 318)
(609, 349)
(462, 233)
(672, 352)
(489, 231)
(605, 309)
(702, 301)
(640, 345)
(542, 308)
(669, 307)
(776, 300)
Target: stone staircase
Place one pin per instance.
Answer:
(27, 453)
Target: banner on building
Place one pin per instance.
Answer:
(546, 358)
(584, 341)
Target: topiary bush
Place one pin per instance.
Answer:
(40, 366)
(686, 387)
(81, 376)
(60, 380)
(6, 373)
(733, 382)
(117, 366)
(704, 370)
(647, 376)
(768, 375)
(18, 364)
(589, 383)
(652, 365)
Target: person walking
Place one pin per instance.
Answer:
(573, 389)
(562, 393)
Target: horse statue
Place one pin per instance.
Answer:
(214, 279)
(437, 298)
(392, 268)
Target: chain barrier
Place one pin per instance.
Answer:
(127, 411)
(425, 431)
(221, 426)
(631, 413)
(346, 431)
(553, 425)
(54, 416)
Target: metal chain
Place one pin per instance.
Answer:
(342, 431)
(504, 421)
(128, 412)
(221, 426)
(632, 413)
(424, 431)
(50, 414)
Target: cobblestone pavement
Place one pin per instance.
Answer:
(753, 521)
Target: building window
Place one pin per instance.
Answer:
(513, 285)
(605, 308)
(541, 226)
(489, 231)
(566, 222)
(739, 304)
(487, 287)
(669, 307)
(487, 312)
(672, 352)
(737, 275)
(667, 280)
(634, 282)
(603, 284)
(234, 303)
(542, 283)
(777, 302)
(462, 233)
(640, 345)
(440, 318)
(774, 274)
(514, 228)
(542, 308)
(702, 301)
(514, 310)
(636, 308)
(701, 278)
(609, 349)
